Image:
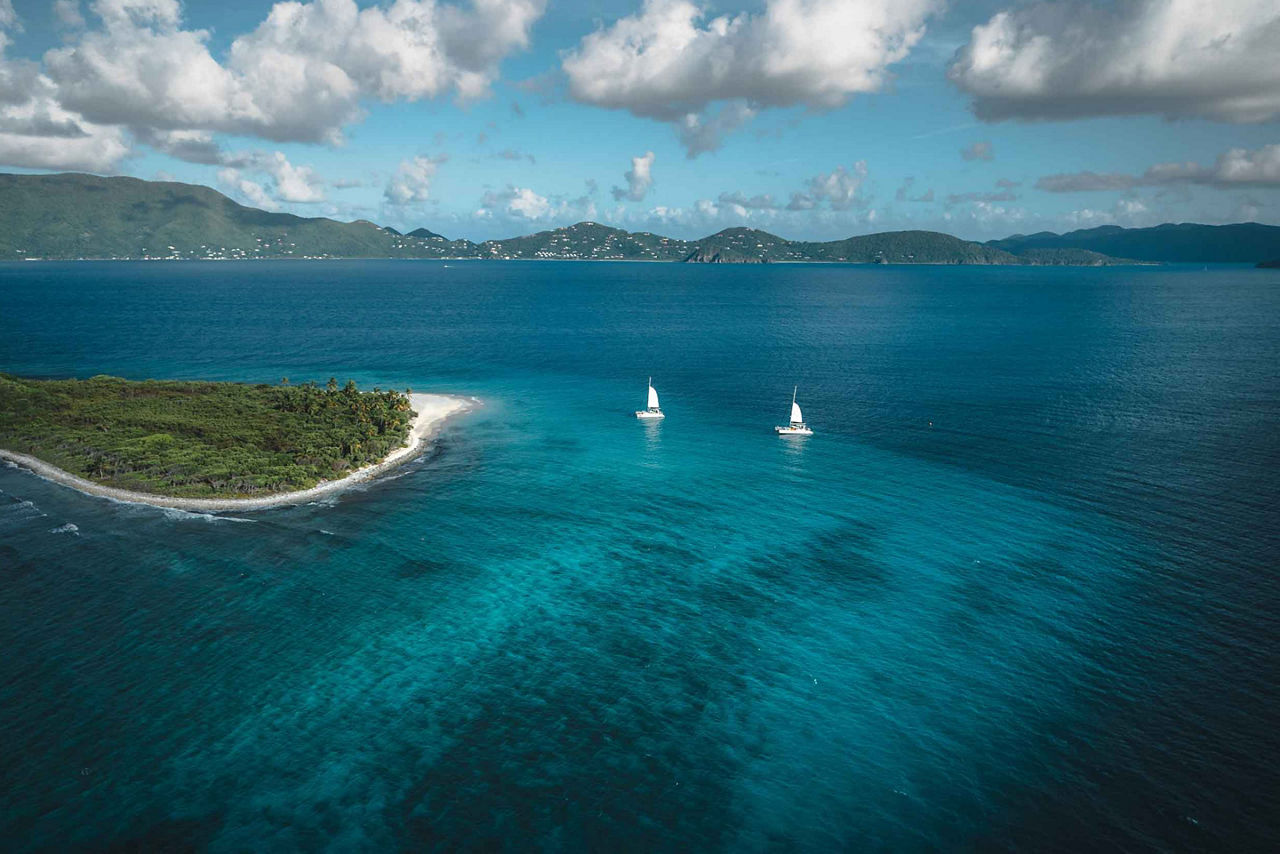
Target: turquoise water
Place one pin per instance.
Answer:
(1019, 591)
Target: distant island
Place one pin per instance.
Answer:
(74, 216)
(210, 445)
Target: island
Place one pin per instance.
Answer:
(212, 446)
(87, 217)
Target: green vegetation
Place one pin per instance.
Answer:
(1245, 242)
(84, 216)
(200, 439)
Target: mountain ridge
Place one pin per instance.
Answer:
(73, 216)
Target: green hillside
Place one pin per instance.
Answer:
(1246, 242)
(84, 216)
(588, 241)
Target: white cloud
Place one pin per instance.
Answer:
(68, 12)
(412, 180)
(235, 184)
(1127, 212)
(1213, 59)
(705, 131)
(522, 203)
(668, 61)
(300, 75)
(1236, 168)
(298, 184)
(741, 201)
(36, 132)
(839, 188)
(639, 179)
(280, 181)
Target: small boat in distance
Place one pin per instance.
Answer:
(653, 411)
(797, 427)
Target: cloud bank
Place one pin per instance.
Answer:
(1237, 168)
(301, 75)
(1213, 59)
(669, 62)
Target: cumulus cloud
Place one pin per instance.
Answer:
(839, 188)
(411, 182)
(1211, 59)
(233, 183)
(136, 73)
(705, 131)
(639, 179)
(278, 179)
(67, 11)
(300, 75)
(297, 184)
(760, 202)
(37, 132)
(669, 61)
(1130, 212)
(978, 151)
(1238, 167)
(522, 203)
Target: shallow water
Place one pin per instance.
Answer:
(1018, 592)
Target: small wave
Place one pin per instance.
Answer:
(68, 528)
(179, 515)
(23, 509)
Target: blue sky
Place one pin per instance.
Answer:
(501, 117)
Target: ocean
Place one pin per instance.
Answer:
(1018, 592)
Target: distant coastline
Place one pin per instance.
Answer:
(431, 412)
(65, 217)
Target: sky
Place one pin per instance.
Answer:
(812, 119)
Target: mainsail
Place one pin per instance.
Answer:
(796, 417)
(653, 396)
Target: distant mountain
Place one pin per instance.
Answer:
(423, 234)
(84, 216)
(588, 241)
(1246, 242)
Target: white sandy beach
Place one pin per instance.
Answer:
(431, 409)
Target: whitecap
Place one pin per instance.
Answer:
(68, 528)
(179, 515)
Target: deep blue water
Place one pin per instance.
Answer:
(1046, 622)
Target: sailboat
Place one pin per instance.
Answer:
(653, 411)
(797, 426)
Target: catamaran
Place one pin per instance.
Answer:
(797, 427)
(653, 411)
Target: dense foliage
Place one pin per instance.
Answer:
(200, 439)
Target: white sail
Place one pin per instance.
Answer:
(796, 417)
(653, 398)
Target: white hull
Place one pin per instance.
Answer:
(793, 431)
(650, 413)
